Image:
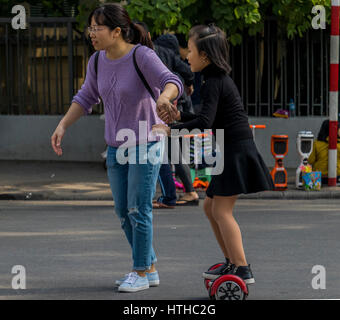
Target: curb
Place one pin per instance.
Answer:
(267, 195)
(293, 195)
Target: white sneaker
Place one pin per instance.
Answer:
(153, 278)
(134, 283)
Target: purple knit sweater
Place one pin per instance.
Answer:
(126, 100)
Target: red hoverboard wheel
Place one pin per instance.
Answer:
(228, 287)
(213, 267)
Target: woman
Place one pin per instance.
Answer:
(130, 111)
(244, 170)
(319, 156)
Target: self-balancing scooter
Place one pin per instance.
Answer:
(226, 287)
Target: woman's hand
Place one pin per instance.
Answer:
(163, 108)
(72, 115)
(166, 111)
(56, 139)
(161, 128)
(164, 105)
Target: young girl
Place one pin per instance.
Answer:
(244, 170)
(127, 104)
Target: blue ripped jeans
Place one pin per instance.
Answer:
(133, 174)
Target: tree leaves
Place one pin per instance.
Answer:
(234, 16)
(162, 15)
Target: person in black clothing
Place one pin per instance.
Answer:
(194, 90)
(244, 170)
(167, 48)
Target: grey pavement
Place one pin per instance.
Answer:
(63, 230)
(76, 250)
(44, 180)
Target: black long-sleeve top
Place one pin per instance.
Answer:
(222, 108)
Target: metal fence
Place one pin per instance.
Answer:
(270, 71)
(43, 66)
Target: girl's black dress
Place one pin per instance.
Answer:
(244, 169)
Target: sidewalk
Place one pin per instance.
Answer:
(35, 180)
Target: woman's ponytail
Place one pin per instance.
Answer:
(140, 35)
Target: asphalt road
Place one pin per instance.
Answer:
(76, 250)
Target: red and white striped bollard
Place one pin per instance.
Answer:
(333, 94)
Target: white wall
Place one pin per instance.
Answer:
(28, 137)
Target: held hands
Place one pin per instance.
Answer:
(166, 111)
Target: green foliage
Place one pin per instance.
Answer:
(84, 9)
(179, 15)
(234, 16)
(295, 16)
(162, 15)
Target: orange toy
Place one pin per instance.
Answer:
(256, 126)
(200, 184)
(279, 149)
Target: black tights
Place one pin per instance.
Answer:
(182, 170)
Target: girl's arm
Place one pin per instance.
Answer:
(206, 117)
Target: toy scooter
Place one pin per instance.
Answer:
(304, 145)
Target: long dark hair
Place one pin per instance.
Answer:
(113, 15)
(213, 41)
(324, 131)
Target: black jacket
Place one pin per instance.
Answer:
(222, 108)
(167, 49)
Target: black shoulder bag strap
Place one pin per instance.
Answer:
(140, 74)
(96, 69)
(96, 62)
